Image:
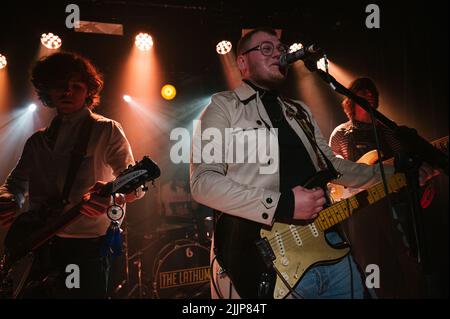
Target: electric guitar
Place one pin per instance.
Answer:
(339, 192)
(251, 254)
(265, 262)
(31, 231)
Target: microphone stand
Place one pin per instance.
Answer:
(416, 144)
(419, 150)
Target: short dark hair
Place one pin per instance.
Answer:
(362, 83)
(245, 40)
(59, 67)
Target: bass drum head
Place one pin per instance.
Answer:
(182, 271)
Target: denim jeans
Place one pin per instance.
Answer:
(335, 281)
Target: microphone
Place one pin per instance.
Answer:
(301, 54)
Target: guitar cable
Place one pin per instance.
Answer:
(211, 273)
(291, 290)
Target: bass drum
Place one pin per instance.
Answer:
(181, 271)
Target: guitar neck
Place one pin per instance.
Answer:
(441, 144)
(342, 210)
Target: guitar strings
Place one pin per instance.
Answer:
(304, 231)
(345, 205)
(306, 234)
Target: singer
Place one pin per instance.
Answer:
(245, 200)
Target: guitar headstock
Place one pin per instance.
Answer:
(134, 176)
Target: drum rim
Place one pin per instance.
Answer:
(160, 261)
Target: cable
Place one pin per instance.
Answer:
(291, 290)
(211, 274)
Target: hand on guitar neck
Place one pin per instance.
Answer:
(94, 204)
(427, 172)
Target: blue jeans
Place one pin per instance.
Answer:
(332, 281)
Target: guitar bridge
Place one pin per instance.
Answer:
(266, 252)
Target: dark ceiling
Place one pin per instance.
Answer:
(411, 45)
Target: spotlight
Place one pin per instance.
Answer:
(223, 47)
(168, 92)
(295, 47)
(144, 41)
(127, 98)
(322, 64)
(32, 107)
(3, 62)
(51, 41)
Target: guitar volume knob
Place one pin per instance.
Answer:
(285, 261)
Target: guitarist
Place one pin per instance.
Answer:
(373, 236)
(71, 85)
(239, 188)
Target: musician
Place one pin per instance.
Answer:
(375, 235)
(354, 138)
(240, 189)
(71, 85)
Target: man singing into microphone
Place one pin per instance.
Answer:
(242, 191)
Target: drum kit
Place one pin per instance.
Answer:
(173, 262)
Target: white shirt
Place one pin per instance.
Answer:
(41, 171)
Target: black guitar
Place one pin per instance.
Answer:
(30, 231)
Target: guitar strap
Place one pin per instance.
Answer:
(302, 118)
(78, 154)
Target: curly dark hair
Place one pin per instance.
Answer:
(52, 70)
(357, 85)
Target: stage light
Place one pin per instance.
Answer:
(295, 47)
(51, 41)
(127, 98)
(168, 92)
(144, 41)
(3, 61)
(322, 64)
(32, 107)
(223, 47)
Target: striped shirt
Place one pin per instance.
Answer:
(351, 140)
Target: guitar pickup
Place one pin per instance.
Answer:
(266, 251)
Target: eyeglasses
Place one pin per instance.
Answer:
(267, 47)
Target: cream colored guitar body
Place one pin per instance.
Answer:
(298, 248)
(339, 192)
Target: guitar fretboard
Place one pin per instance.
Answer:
(342, 210)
